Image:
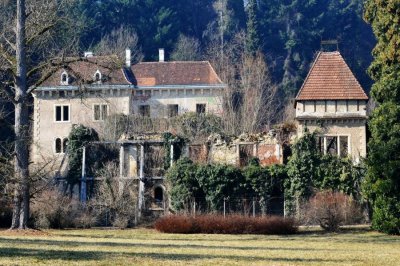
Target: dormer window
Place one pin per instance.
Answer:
(64, 78)
(97, 76)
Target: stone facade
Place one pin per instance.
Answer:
(92, 88)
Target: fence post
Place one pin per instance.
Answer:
(224, 207)
(254, 208)
(194, 208)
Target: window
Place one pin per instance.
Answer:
(201, 108)
(58, 145)
(334, 145)
(144, 110)
(173, 110)
(62, 113)
(61, 145)
(97, 76)
(344, 146)
(64, 78)
(100, 112)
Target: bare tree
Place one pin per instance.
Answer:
(186, 49)
(250, 99)
(24, 50)
(117, 41)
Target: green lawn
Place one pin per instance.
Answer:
(147, 247)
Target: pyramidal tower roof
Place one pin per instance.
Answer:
(330, 78)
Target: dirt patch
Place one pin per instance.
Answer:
(27, 232)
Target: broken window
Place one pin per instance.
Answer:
(201, 108)
(332, 145)
(335, 145)
(246, 153)
(344, 146)
(144, 110)
(173, 110)
(100, 112)
(62, 113)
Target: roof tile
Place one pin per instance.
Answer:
(330, 78)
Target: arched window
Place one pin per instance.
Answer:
(58, 145)
(158, 194)
(97, 76)
(64, 78)
(65, 145)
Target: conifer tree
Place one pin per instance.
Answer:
(383, 180)
(253, 38)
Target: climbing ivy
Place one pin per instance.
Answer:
(78, 138)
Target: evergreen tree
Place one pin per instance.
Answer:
(383, 179)
(253, 38)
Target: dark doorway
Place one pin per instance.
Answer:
(158, 194)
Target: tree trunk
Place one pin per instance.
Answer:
(21, 159)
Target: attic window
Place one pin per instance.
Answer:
(97, 76)
(64, 78)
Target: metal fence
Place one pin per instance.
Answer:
(250, 206)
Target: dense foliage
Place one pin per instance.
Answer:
(383, 180)
(309, 171)
(213, 183)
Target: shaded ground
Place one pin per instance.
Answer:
(355, 246)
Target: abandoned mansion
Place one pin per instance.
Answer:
(331, 102)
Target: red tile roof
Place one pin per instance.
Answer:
(174, 73)
(330, 78)
(82, 71)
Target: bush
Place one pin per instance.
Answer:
(52, 209)
(232, 224)
(331, 210)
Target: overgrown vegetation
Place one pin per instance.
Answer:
(308, 171)
(382, 184)
(232, 224)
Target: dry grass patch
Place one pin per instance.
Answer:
(149, 247)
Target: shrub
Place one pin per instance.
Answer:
(331, 210)
(52, 209)
(232, 224)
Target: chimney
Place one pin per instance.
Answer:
(88, 54)
(128, 57)
(161, 55)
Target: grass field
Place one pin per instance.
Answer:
(356, 246)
